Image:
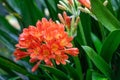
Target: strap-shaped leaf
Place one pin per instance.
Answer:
(98, 61)
(6, 26)
(78, 67)
(97, 42)
(12, 38)
(13, 66)
(27, 9)
(53, 9)
(85, 22)
(59, 74)
(109, 6)
(110, 45)
(5, 42)
(8, 39)
(73, 72)
(89, 74)
(98, 76)
(104, 15)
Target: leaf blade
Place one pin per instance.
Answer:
(108, 49)
(55, 72)
(98, 61)
(13, 66)
(104, 15)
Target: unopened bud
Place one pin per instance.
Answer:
(86, 10)
(77, 20)
(64, 14)
(75, 24)
(61, 7)
(82, 9)
(61, 18)
(105, 2)
(57, 22)
(86, 3)
(70, 2)
(35, 67)
(62, 3)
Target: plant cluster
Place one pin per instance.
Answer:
(60, 40)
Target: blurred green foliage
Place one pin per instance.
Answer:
(98, 42)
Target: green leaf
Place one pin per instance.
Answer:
(2, 78)
(52, 4)
(97, 42)
(98, 76)
(28, 10)
(78, 67)
(6, 26)
(116, 72)
(15, 78)
(89, 74)
(85, 22)
(9, 36)
(73, 72)
(53, 9)
(109, 6)
(104, 15)
(98, 61)
(110, 45)
(80, 35)
(59, 74)
(13, 66)
(55, 78)
(4, 41)
(48, 76)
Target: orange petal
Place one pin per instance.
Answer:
(35, 67)
(72, 51)
(32, 60)
(86, 3)
(20, 54)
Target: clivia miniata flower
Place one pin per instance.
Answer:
(86, 3)
(48, 40)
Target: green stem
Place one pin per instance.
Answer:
(84, 43)
(102, 31)
(78, 67)
(82, 33)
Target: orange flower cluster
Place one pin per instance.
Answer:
(86, 3)
(46, 41)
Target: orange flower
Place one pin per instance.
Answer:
(46, 41)
(20, 54)
(86, 3)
